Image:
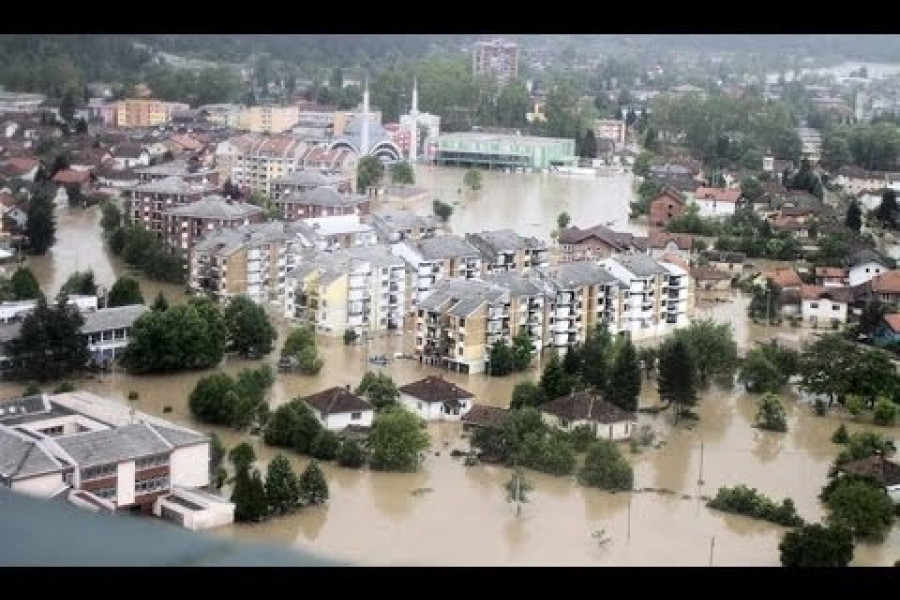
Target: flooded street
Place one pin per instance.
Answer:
(463, 518)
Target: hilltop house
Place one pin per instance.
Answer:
(717, 202)
(670, 203)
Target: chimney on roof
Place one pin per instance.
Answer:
(347, 387)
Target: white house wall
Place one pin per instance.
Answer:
(338, 421)
(189, 466)
(125, 483)
(42, 486)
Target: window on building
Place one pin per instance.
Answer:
(814, 305)
(355, 416)
(151, 461)
(98, 472)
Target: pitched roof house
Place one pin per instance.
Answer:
(584, 408)
(337, 408)
(435, 398)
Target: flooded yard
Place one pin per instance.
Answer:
(461, 516)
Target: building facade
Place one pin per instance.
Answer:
(148, 201)
(498, 57)
(143, 112)
(434, 259)
(505, 251)
(268, 119)
(187, 224)
(507, 152)
(319, 202)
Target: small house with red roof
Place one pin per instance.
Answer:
(22, 167)
(715, 202)
(888, 330)
(670, 203)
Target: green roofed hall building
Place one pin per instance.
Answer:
(493, 151)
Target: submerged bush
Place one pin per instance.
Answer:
(745, 501)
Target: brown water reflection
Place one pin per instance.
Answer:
(374, 518)
(79, 247)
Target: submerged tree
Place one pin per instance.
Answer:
(517, 489)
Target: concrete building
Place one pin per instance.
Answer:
(824, 307)
(669, 204)
(505, 251)
(108, 330)
(606, 420)
(106, 333)
(226, 115)
(184, 170)
(96, 451)
(580, 295)
(148, 201)
(595, 243)
(527, 309)
(458, 320)
(716, 203)
(656, 296)
(319, 202)
(252, 259)
(306, 180)
(611, 129)
(433, 259)
(395, 226)
(498, 57)
(16, 311)
(338, 408)
(268, 119)
(811, 141)
(436, 399)
(361, 288)
(187, 224)
(254, 162)
(507, 152)
(20, 102)
(144, 112)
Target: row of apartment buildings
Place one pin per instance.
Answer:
(460, 319)
(257, 162)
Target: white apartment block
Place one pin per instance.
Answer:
(505, 251)
(434, 259)
(362, 289)
(656, 296)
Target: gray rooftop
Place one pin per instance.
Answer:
(571, 275)
(113, 445)
(505, 240)
(179, 437)
(227, 241)
(21, 456)
(9, 331)
(324, 196)
(215, 207)
(641, 265)
(309, 178)
(112, 318)
(378, 256)
(448, 246)
(13, 408)
(175, 167)
(170, 185)
(516, 284)
(401, 219)
(461, 297)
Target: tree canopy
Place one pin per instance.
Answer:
(250, 333)
(396, 441)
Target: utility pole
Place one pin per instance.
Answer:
(712, 549)
(628, 530)
(700, 478)
(768, 305)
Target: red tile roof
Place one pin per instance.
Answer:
(19, 165)
(817, 292)
(661, 239)
(785, 278)
(67, 176)
(886, 283)
(893, 321)
(718, 194)
(831, 272)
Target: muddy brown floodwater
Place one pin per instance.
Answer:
(463, 518)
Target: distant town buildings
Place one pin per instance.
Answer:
(20, 102)
(144, 112)
(507, 152)
(268, 119)
(498, 57)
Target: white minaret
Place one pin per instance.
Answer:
(414, 123)
(364, 134)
